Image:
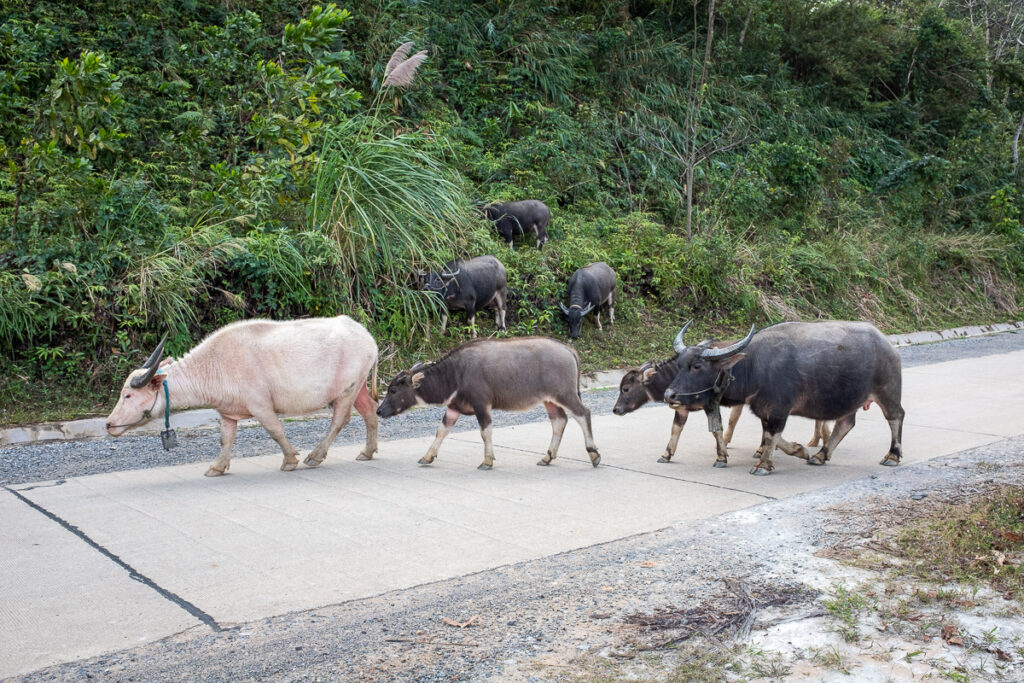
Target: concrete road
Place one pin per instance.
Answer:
(106, 562)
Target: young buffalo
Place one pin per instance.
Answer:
(486, 374)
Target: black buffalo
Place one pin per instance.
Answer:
(503, 374)
(469, 285)
(648, 383)
(820, 370)
(520, 218)
(589, 287)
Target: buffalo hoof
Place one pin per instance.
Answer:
(484, 466)
(816, 459)
(424, 461)
(214, 472)
(310, 461)
(720, 463)
(890, 461)
(543, 463)
(595, 459)
(760, 471)
(664, 459)
(289, 466)
(364, 456)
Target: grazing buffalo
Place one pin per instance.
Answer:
(590, 287)
(486, 374)
(820, 370)
(469, 285)
(520, 218)
(262, 369)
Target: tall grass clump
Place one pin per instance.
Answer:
(392, 204)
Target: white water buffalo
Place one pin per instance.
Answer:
(590, 287)
(470, 285)
(820, 370)
(503, 374)
(520, 218)
(262, 369)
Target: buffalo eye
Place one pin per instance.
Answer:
(625, 390)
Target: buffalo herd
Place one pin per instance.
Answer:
(263, 369)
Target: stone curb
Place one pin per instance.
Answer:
(208, 419)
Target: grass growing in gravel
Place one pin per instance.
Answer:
(980, 541)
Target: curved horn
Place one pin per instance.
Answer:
(452, 274)
(586, 310)
(678, 344)
(151, 365)
(564, 309)
(731, 350)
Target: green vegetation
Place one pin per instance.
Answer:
(180, 165)
(977, 542)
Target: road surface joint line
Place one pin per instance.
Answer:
(648, 474)
(132, 573)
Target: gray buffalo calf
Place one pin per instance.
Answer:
(820, 370)
(470, 285)
(520, 218)
(262, 369)
(590, 287)
(487, 374)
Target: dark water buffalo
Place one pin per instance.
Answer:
(821, 370)
(469, 285)
(520, 218)
(589, 287)
(502, 374)
(649, 382)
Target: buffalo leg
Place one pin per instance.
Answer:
(367, 407)
(611, 309)
(228, 429)
(894, 416)
(499, 310)
(821, 433)
(558, 421)
(451, 416)
(734, 416)
(842, 428)
(444, 322)
(597, 318)
(471, 319)
(581, 414)
(341, 414)
(483, 418)
(273, 425)
(678, 422)
(771, 431)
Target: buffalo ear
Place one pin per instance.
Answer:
(731, 361)
(647, 375)
(416, 379)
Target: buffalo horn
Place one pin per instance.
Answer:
(151, 365)
(453, 274)
(564, 309)
(588, 309)
(732, 349)
(678, 344)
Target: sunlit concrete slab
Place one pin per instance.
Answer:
(261, 542)
(62, 600)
